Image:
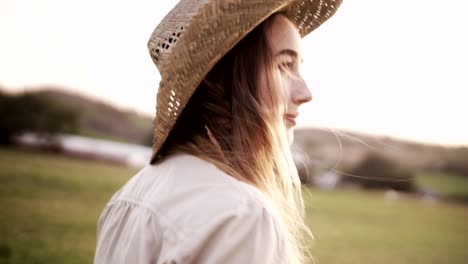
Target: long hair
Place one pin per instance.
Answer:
(234, 123)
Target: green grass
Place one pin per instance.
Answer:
(357, 227)
(50, 205)
(444, 184)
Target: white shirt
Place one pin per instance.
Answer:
(186, 210)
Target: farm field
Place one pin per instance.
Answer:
(50, 205)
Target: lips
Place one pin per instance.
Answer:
(290, 119)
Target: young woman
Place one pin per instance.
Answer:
(222, 186)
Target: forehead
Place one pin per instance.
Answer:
(283, 34)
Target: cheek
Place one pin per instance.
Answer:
(274, 89)
(287, 88)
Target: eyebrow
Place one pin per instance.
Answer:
(289, 52)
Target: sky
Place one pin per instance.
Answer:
(396, 68)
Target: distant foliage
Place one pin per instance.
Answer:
(455, 161)
(378, 172)
(31, 112)
(102, 120)
(148, 140)
(353, 148)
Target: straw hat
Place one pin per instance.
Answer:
(196, 34)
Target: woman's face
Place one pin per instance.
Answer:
(285, 43)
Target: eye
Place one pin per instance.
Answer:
(286, 66)
(289, 66)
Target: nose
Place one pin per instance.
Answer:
(301, 93)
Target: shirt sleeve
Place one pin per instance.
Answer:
(248, 235)
(130, 233)
(126, 234)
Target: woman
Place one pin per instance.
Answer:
(222, 186)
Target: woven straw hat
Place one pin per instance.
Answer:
(196, 34)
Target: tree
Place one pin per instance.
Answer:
(33, 113)
(376, 171)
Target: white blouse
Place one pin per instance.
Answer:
(186, 210)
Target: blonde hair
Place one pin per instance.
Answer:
(237, 125)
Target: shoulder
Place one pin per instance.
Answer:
(186, 210)
(188, 192)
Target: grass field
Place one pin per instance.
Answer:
(451, 186)
(50, 205)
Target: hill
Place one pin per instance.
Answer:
(329, 148)
(344, 150)
(101, 120)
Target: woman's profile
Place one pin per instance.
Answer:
(221, 186)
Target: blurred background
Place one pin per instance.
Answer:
(382, 150)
